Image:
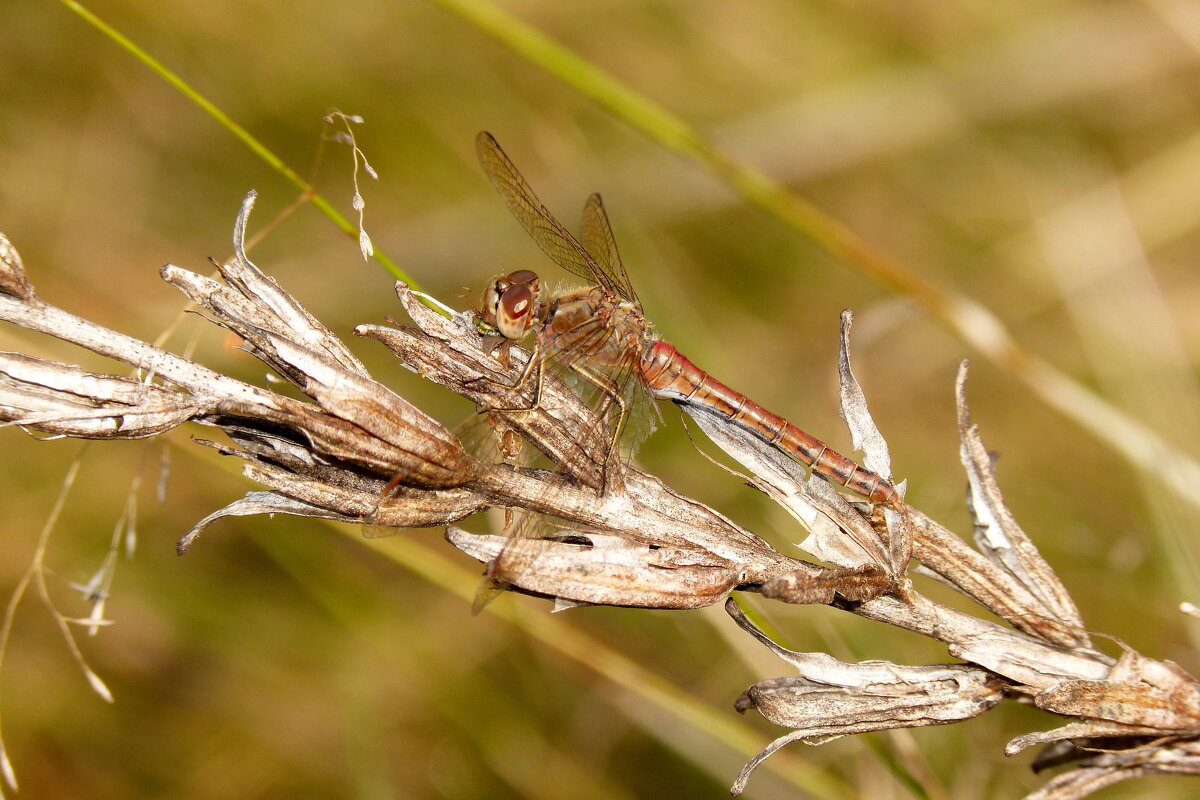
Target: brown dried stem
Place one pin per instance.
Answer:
(358, 452)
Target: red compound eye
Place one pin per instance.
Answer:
(526, 276)
(513, 313)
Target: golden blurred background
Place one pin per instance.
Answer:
(1041, 159)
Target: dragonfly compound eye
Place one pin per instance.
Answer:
(514, 312)
(491, 300)
(526, 276)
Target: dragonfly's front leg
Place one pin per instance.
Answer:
(534, 368)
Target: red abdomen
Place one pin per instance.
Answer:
(670, 375)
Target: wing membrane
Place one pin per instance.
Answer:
(554, 239)
(599, 240)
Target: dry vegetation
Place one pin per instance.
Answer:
(1035, 160)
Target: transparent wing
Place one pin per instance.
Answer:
(527, 534)
(550, 235)
(528, 537)
(523, 532)
(490, 437)
(623, 425)
(599, 240)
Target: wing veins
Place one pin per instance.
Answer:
(542, 226)
(601, 242)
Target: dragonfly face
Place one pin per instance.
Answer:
(511, 303)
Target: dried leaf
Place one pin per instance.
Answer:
(253, 503)
(833, 698)
(64, 400)
(13, 280)
(609, 570)
(820, 585)
(1138, 692)
(864, 435)
(1000, 537)
(1025, 660)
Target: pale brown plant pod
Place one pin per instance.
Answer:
(355, 451)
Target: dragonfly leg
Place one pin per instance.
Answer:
(534, 365)
(612, 454)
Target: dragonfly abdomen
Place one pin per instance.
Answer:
(672, 376)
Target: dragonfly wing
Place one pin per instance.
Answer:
(554, 239)
(643, 415)
(599, 240)
(524, 541)
(600, 365)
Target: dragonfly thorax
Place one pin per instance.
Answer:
(596, 324)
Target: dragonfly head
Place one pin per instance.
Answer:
(510, 303)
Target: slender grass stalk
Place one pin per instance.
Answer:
(556, 634)
(308, 193)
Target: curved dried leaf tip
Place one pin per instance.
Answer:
(13, 279)
(833, 698)
(1001, 539)
(864, 434)
(299, 496)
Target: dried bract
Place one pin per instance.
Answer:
(998, 535)
(64, 400)
(13, 280)
(832, 698)
(593, 529)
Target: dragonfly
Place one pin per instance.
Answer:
(603, 326)
(601, 334)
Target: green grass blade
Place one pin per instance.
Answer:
(244, 136)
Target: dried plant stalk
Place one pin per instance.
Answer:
(358, 452)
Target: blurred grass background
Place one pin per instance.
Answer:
(1039, 158)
